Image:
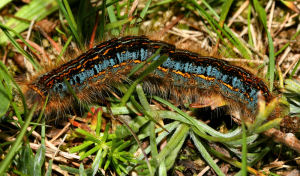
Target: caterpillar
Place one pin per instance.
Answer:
(184, 76)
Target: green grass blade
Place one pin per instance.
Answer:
(153, 146)
(146, 106)
(244, 151)
(7, 160)
(170, 127)
(268, 125)
(263, 19)
(141, 65)
(4, 70)
(206, 155)
(295, 69)
(80, 147)
(39, 117)
(136, 29)
(72, 92)
(70, 14)
(231, 161)
(66, 11)
(142, 97)
(145, 9)
(271, 60)
(3, 3)
(148, 70)
(225, 31)
(65, 47)
(248, 24)
(180, 134)
(5, 29)
(39, 160)
(162, 170)
(288, 43)
(113, 25)
(99, 123)
(96, 162)
(200, 127)
(40, 155)
(26, 160)
(112, 18)
(102, 21)
(90, 152)
(36, 9)
(81, 170)
(224, 11)
(5, 92)
(88, 135)
(171, 158)
(49, 169)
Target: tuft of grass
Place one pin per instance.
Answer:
(109, 149)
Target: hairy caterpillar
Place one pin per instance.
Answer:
(183, 76)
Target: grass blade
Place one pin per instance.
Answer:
(244, 151)
(5, 29)
(148, 70)
(263, 19)
(36, 9)
(5, 92)
(66, 11)
(112, 18)
(4, 2)
(225, 8)
(206, 155)
(6, 162)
